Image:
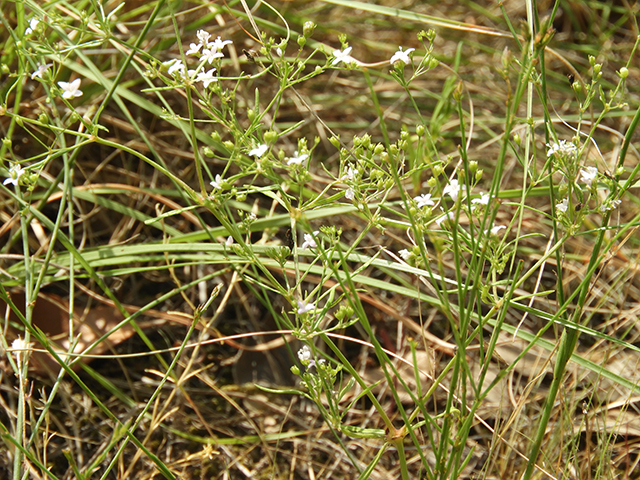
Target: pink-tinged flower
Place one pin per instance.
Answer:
(401, 56)
(259, 150)
(305, 307)
(343, 56)
(588, 175)
(70, 90)
(15, 172)
(309, 241)
(424, 200)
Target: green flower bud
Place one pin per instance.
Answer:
(42, 118)
(229, 144)
(6, 142)
(270, 137)
(393, 150)
(251, 114)
(335, 141)
(295, 370)
(479, 175)
(404, 135)
(308, 28)
(432, 182)
(379, 148)
(420, 130)
(19, 121)
(516, 139)
(473, 166)
(215, 136)
(302, 41)
(207, 152)
(437, 170)
(624, 72)
(384, 156)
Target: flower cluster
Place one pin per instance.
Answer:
(561, 149)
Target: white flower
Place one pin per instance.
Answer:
(33, 23)
(206, 77)
(209, 55)
(174, 65)
(483, 200)
(40, 70)
(193, 49)
(351, 173)
(297, 159)
(304, 354)
(401, 56)
(20, 348)
(71, 90)
(424, 200)
(563, 148)
(252, 217)
(453, 189)
(305, 307)
(259, 150)
(610, 205)
(279, 52)
(15, 172)
(309, 241)
(203, 36)
(229, 241)
(218, 44)
(343, 56)
(588, 175)
(496, 230)
(405, 254)
(442, 218)
(350, 194)
(563, 206)
(217, 183)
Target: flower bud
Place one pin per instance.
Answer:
(308, 28)
(420, 130)
(302, 41)
(379, 148)
(270, 136)
(207, 152)
(215, 136)
(335, 141)
(624, 72)
(229, 144)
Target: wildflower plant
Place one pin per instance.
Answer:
(367, 247)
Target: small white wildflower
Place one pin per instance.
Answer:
(229, 241)
(279, 52)
(349, 175)
(343, 56)
(33, 23)
(252, 217)
(175, 65)
(483, 200)
(610, 205)
(193, 49)
(405, 254)
(562, 148)
(206, 77)
(217, 183)
(424, 200)
(259, 150)
(304, 354)
(203, 36)
(40, 71)
(442, 218)
(563, 206)
(15, 172)
(305, 307)
(209, 55)
(350, 194)
(496, 230)
(218, 44)
(453, 189)
(297, 159)
(588, 175)
(71, 90)
(309, 242)
(401, 56)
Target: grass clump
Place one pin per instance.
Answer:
(239, 242)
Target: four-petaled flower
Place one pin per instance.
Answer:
(424, 200)
(305, 307)
(401, 56)
(206, 77)
(70, 90)
(588, 175)
(33, 23)
(193, 49)
(259, 150)
(563, 206)
(309, 241)
(217, 183)
(483, 200)
(297, 159)
(209, 55)
(453, 189)
(562, 148)
(405, 254)
(15, 172)
(218, 44)
(343, 56)
(40, 70)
